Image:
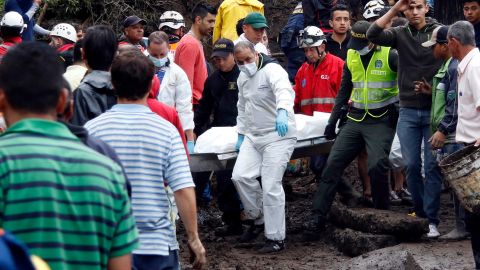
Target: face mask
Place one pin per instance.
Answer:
(250, 68)
(158, 62)
(365, 50)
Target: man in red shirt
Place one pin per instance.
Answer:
(11, 28)
(318, 79)
(189, 54)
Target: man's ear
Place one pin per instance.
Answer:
(330, 22)
(82, 52)
(198, 20)
(62, 101)
(3, 101)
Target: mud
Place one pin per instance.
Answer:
(225, 253)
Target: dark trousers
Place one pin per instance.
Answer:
(156, 262)
(228, 200)
(376, 134)
(473, 226)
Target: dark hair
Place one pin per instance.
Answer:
(77, 52)
(239, 26)
(31, 76)
(339, 7)
(469, 1)
(10, 31)
(132, 74)
(99, 47)
(202, 10)
(159, 37)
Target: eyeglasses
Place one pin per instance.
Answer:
(304, 38)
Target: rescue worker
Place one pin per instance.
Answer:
(370, 81)
(133, 30)
(11, 28)
(254, 27)
(173, 82)
(266, 138)
(229, 12)
(220, 97)
(172, 23)
(63, 37)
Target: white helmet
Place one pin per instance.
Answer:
(64, 30)
(372, 9)
(13, 19)
(171, 19)
(311, 36)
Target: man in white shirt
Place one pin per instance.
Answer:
(461, 42)
(254, 27)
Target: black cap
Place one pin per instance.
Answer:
(132, 20)
(222, 48)
(359, 39)
(439, 35)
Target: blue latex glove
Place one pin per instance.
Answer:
(281, 124)
(190, 147)
(241, 137)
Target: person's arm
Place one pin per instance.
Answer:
(120, 263)
(32, 9)
(185, 56)
(205, 107)
(393, 60)
(296, 88)
(282, 88)
(217, 30)
(240, 108)
(343, 95)
(386, 37)
(40, 30)
(80, 108)
(448, 124)
(186, 203)
(183, 102)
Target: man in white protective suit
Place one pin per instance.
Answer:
(266, 138)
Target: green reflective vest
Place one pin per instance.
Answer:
(374, 88)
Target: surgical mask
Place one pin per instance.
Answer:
(159, 62)
(365, 50)
(250, 68)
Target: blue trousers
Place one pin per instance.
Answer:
(156, 262)
(413, 127)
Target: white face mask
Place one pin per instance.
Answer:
(365, 50)
(250, 68)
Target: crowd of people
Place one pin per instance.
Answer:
(94, 157)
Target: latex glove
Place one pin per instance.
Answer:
(241, 137)
(330, 133)
(191, 147)
(281, 124)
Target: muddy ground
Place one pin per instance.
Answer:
(323, 254)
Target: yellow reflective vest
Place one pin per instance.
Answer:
(375, 87)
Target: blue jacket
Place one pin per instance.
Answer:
(22, 6)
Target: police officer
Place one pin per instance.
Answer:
(370, 81)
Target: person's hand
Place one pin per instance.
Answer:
(477, 143)
(191, 147)
(38, 2)
(401, 5)
(240, 139)
(422, 87)
(330, 131)
(437, 140)
(198, 259)
(281, 123)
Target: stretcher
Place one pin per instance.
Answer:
(205, 162)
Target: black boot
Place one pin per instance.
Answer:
(229, 230)
(251, 233)
(272, 246)
(313, 229)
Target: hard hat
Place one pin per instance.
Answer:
(64, 30)
(13, 19)
(171, 19)
(311, 36)
(372, 9)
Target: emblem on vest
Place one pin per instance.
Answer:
(378, 64)
(304, 82)
(232, 85)
(324, 77)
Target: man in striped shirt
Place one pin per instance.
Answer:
(153, 156)
(67, 202)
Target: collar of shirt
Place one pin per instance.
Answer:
(466, 60)
(40, 126)
(137, 108)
